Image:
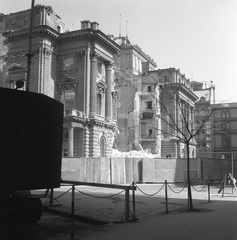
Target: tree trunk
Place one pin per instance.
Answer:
(190, 201)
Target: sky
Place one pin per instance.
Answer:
(199, 37)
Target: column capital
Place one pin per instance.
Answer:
(80, 54)
(94, 55)
(109, 65)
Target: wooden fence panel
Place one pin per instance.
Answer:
(105, 169)
(127, 170)
(118, 170)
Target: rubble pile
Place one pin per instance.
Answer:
(133, 154)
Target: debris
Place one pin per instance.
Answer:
(133, 154)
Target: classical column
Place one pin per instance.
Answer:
(81, 83)
(94, 57)
(108, 103)
(70, 141)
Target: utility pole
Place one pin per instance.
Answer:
(30, 54)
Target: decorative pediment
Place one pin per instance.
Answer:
(16, 67)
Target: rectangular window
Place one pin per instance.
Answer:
(149, 132)
(149, 104)
(99, 104)
(148, 88)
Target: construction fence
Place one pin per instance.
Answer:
(126, 170)
(122, 170)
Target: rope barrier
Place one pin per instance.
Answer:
(150, 195)
(56, 199)
(198, 190)
(127, 212)
(178, 191)
(110, 196)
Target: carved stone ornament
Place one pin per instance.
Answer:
(14, 57)
(47, 52)
(100, 90)
(39, 8)
(49, 9)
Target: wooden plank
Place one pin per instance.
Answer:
(130, 187)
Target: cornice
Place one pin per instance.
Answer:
(76, 34)
(97, 122)
(100, 35)
(91, 35)
(36, 30)
(182, 88)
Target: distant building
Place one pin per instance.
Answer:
(139, 94)
(74, 67)
(172, 97)
(205, 93)
(224, 139)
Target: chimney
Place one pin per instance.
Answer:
(95, 25)
(85, 24)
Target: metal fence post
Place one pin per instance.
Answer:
(72, 212)
(51, 196)
(209, 194)
(166, 197)
(133, 199)
(127, 203)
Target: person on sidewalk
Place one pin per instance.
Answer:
(228, 179)
(232, 181)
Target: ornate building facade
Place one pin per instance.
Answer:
(74, 67)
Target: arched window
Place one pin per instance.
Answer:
(227, 114)
(223, 115)
(59, 28)
(102, 146)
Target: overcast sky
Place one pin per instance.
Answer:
(197, 36)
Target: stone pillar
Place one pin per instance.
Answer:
(94, 57)
(86, 143)
(108, 103)
(70, 141)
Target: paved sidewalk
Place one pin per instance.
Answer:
(211, 220)
(215, 221)
(108, 204)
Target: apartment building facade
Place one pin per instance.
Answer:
(224, 137)
(166, 94)
(130, 65)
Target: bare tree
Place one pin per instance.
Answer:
(177, 120)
